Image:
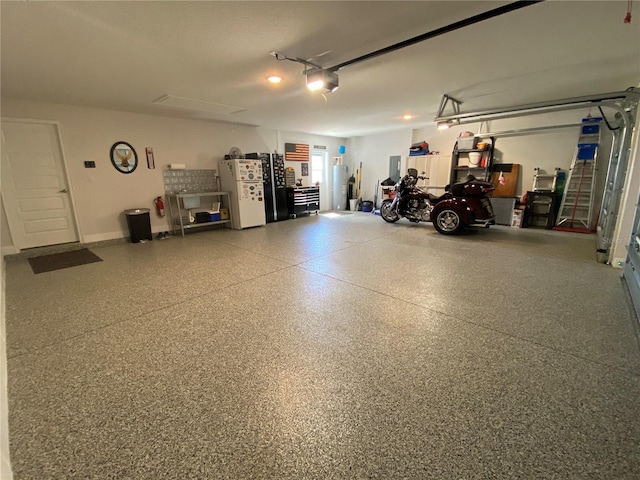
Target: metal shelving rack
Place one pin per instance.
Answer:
(481, 172)
(177, 200)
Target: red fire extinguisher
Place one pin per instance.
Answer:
(159, 206)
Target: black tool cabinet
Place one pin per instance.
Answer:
(301, 200)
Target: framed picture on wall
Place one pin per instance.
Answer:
(304, 168)
(151, 163)
(296, 152)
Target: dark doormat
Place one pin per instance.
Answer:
(58, 261)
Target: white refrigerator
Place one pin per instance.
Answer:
(243, 180)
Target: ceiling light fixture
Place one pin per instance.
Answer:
(274, 79)
(407, 117)
(318, 78)
(322, 80)
(443, 125)
(420, 38)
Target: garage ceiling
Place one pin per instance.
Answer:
(126, 55)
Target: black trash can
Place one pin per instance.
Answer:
(139, 223)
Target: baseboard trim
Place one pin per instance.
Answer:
(101, 237)
(9, 251)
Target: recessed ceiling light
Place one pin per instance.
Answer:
(274, 79)
(407, 117)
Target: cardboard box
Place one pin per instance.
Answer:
(517, 217)
(224, 214)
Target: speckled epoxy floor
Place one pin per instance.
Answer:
(323, 348)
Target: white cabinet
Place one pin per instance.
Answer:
(437, 169)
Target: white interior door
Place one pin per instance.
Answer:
(321, 172)
(34, 187)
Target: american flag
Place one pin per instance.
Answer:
(296, 152)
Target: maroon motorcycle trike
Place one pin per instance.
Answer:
(464, 203)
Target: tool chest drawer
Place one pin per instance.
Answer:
(303, 200)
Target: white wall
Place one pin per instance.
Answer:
(546, 151)
(374, 152)
(100, 195)
(332, 146)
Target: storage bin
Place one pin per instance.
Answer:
(214, 216)
(367, 206)
(467, 143)
(202, 217)
(418, 153)
(587, 151)
(191, 202)
(590, 129)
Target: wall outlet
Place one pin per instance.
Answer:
(89, 164)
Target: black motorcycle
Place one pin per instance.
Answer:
(410, 201)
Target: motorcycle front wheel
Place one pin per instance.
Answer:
(448, 222)
(389, 213)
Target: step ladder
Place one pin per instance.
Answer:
(545, 182)
(576, 209)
